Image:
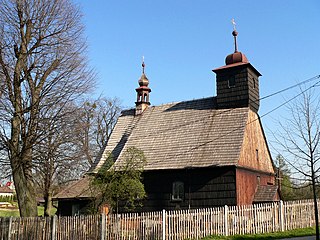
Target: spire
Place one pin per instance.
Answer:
(143, 65)
(237, 81)
(235, 34)
(236, 57)
(143, 81)
(142, 92)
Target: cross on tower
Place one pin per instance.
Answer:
(234, 24)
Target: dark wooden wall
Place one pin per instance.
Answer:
(65, 207)
(245, 92)
(203, 188)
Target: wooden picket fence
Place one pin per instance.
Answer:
(171, 225)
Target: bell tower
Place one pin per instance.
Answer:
(237, 81)
(143, 92)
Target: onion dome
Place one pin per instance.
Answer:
(236, 57)
(143, 81)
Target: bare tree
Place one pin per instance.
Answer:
(299, 140)
(56, 158)
(43, 66)
(96, 119)
(72, 142)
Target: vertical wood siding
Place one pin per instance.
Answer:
(171, 225)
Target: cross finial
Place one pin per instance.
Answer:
(235, 34)
(143, 65)
(234, 24)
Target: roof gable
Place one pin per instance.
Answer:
(255, 153)
(180, 135)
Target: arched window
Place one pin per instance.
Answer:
(145, 97)
(177, 190)
(139, 98)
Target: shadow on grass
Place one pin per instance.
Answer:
(277, 235)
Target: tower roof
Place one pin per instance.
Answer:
(143, 81)
(236, 58)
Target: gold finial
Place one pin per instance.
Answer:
(143, 65)
(235, 34)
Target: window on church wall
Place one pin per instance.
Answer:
(231, 81)
(177, 191)
(75, 209)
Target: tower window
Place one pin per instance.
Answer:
(257, 154)
(177, 191)
(231, 82)
(254, 83)
(139, 99)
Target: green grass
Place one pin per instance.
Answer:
(277, 235)
(41, 211)
(15, 212)
(9, 213)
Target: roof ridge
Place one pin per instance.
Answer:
(185, 101)
(172, 103)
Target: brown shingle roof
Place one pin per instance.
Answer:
(266, 193)
(180, 135)
(78, 189)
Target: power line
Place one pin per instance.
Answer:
(286, 102)
(293, 86)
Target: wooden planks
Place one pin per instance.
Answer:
(175, 225)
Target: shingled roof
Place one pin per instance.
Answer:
(180, 135)
(78, 189)
(267, 193)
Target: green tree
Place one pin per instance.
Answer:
(120, 184)
(286, 188)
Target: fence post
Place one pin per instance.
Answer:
(53, 227)
(163, 224)
(281, 216)
(226, 213)
(9, 230)
(103, 226)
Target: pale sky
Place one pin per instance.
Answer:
(183, 40)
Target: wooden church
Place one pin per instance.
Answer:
(200, 153)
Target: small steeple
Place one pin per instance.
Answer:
(142, 92)
(237, 81)
(236, 57)
(235, 34)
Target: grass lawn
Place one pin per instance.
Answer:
(41, 211)
(277, 235)
(9, 213)
(15, 212)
